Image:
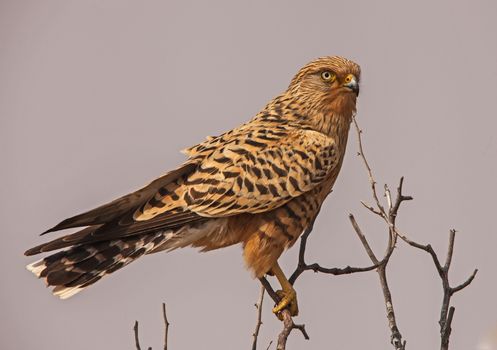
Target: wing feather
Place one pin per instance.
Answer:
(253, 173)
(122, 205)
(250, 171)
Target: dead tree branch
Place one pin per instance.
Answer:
(166, 330)
(446, 311)
(288, 324)
(288, 327)
(166, 325)
(380, 266)
(137, 339)
(388, 213)
(396, 336)
(302, 266)
(258, 306)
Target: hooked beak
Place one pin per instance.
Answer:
(352, 84)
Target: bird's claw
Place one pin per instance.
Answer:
(288, 301)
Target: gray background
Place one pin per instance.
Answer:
(97, 98)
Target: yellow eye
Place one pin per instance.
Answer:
(328, 76)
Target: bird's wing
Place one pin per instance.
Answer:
(110, 211)
(253, 172)
(115, 219)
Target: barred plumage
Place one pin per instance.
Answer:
(260, 185)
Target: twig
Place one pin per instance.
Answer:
(464, 284)
(398, 201)
(447, 311)
(137, 339)
(302, 266)
(270, 291)
(396, 336)
(288, 324)
(363, 239)
(372, 181)
(427, 248)
(389, 216)
(258, 306)
(166, 325)
(166, 329)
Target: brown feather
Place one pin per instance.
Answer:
(122, 205)
(260, 185)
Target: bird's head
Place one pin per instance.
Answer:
(328, 83)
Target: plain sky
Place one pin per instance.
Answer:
(97, 97)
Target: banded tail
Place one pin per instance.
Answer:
(74, 269)
(70, 271)
(114, 237)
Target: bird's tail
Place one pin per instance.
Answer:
(70, 271)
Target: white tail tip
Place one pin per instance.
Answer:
(66, 292)
(37, 267)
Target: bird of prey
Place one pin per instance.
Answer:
(260, 185)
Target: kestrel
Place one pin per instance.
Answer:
(259, 185)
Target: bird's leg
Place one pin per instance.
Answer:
(288, 295)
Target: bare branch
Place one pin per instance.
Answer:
(339, 271)
(166, 325)
(388, 196)
(258, 306)
(302, 266)
(396, 336)
(446, 311)
(398, 201)
(464, 284)
(447, 329)
(166, 329)
(137, 339)
(363, 239)
(369, 207)
(270, 291)
(450, 250)
(372, 181)
(427, 248)
(389, 218)
(303, 245)
(288, 327)
(288, 324)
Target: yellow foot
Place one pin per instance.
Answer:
(288, 300)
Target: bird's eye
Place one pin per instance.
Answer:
(328, 76)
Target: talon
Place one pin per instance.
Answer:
(288, 300)
(288, 296)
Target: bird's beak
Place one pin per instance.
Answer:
(352, 84)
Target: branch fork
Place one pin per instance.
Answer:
(388, 212)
